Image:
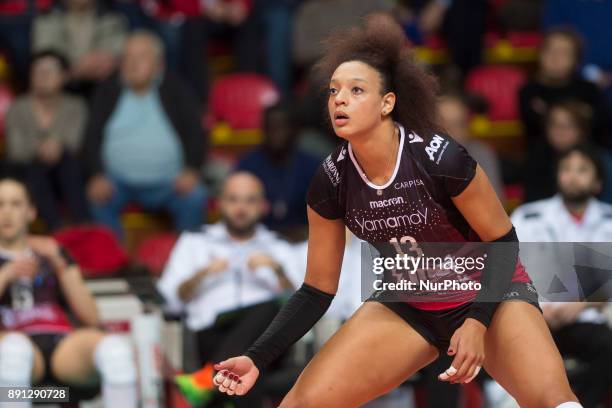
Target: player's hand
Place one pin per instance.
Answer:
(467, 345)
(236, 375)
(50, 249)
(21, 267)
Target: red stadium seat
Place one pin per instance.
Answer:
(499, 85)
(94, 248)
(6, 98)
(154, 252)
(525, 39)
(239, 100)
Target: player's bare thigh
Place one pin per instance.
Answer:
(72, 361)
(522, 356)
(38, 366)
(372, 353)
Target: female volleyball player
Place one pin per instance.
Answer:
(394, 156)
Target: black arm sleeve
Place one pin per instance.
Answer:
(303, 309)
(502, 257)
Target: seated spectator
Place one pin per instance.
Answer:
(455, 118)
(446, 18)
(227, 279)
(44, 131)
(41, 294)
(15, 25)
(592, 20)
(90, 38)
(284, 170)
(144, 140)
(567, 124)
(575, 215)
(557, 80)
(315, 20)
(229, 19)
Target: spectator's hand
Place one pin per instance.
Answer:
(567, 313)
(21, 267)
(186, 181)
(217, 265)
(259, 259)
(236, 12)
(49, 150)
(467, 345)
(217, 11)
(50, 249)
(100, 189)
(236, 375)
(95, 65)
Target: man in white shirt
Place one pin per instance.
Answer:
(228, 277)
(575, 215)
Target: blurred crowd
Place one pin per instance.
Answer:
(203, 114)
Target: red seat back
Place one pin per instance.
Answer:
(154, 252)
(94, 248)
(239, 100)
(499, 85)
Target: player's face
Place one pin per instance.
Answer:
(356, 103)
(562, 130)
(16, 211)
(577, 178)
(557, 59)
(242, 203)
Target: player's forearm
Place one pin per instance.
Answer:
(303, 309)
(5, 280)
(496, 277)
(78, 296)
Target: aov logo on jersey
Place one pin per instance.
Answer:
(434, 145)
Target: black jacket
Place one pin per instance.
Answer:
(577, 89)
(180, 105)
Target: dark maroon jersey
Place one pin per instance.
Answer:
(413, 206)
(34, 307)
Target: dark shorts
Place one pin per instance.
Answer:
(438, 326)
(47, 343)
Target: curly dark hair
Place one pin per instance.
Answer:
(380, 43)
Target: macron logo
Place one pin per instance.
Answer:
(434, 146)
(341, 155)
(386, 203)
